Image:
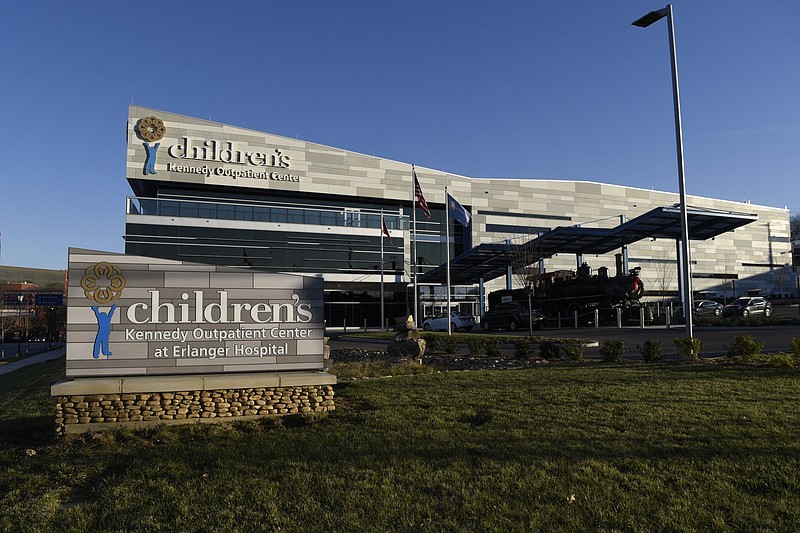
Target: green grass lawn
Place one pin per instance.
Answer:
(582, 447)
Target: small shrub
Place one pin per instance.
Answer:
(550, 350)
(781, 360)
(613, 350)
(492, 345)
(796, 347)
(744, 347)
(651, 351)
(432, 344)
(688, 349)
(476, 345)
(448, 344)
(573, 350)
(522, 348)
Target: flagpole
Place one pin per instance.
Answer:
(447, 255)
(383, 310)
(414, 244)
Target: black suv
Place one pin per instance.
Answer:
(511, 316)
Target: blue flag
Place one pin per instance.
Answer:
(457, 211)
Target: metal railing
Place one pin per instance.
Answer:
(648, 315)
(280, 214)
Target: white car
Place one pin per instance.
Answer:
(457, 321)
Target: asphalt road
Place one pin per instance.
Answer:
(715, 339)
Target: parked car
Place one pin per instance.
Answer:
(708, 295)
(755, 292)
(511, 316)
(707, 307)
(746, 306)
(457, 321)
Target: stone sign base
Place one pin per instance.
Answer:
(94, 404)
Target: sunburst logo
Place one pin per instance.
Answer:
(102, 283)
(151, 129)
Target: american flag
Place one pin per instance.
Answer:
(386, 230)
(420, 199)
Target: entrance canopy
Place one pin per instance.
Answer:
(490, 261)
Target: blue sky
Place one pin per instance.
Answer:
(533, 89)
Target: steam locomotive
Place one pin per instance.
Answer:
(559, 295)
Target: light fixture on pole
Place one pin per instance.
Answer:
(686, 270)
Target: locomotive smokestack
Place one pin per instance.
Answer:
(618, 258)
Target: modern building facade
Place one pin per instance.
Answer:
(212, 193)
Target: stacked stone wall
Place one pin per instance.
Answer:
(87, 412)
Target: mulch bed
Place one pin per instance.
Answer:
(443, 362)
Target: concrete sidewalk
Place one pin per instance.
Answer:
(32, 360)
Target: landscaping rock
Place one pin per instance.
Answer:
(406, 343)
(410, 349)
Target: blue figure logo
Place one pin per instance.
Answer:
(151, 129)
(103, 329)
(102, 283)
(150, 162)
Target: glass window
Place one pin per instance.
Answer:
(261, 214)
(189, 231)
(226, 212)
(207, 211)
(352, 217)
(149, 207)
(329, 218)
(244, 212)
(312, 217)
(189, 209)
(133, 206)
(169, 208)
(278, 215)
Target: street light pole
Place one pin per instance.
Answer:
(686, 270)
(19, 325)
